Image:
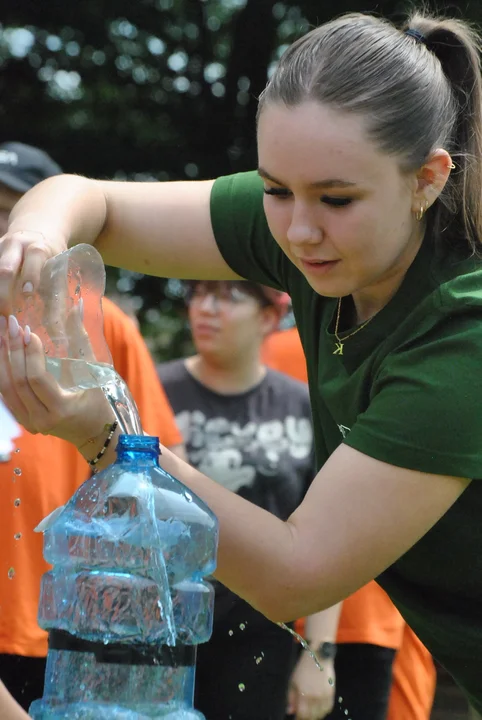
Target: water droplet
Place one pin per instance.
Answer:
(188, 496)
(258, 660)
(17, 450)
(230, 633)
(242, 687)
(17, 502)
(17, 471)
(346, 712)
(17, 536)
(340, 699)
(242, 626)
(331, 681)
(11, 573)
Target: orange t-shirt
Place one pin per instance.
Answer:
(414, 680)
(51, 471)
(369, 616)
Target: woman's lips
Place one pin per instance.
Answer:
(204, 329)
(318, 267)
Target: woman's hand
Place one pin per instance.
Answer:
(23, 253)
(37, 400)
(311, 693)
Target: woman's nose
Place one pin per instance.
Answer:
(303, 228)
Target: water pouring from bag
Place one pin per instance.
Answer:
(66, 314)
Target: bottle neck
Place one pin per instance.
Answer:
(138, 449)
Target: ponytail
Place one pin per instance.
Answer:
(457, 47)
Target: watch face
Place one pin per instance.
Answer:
(327, 650)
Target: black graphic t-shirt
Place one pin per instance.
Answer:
(258, 444)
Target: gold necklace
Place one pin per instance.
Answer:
(341, 341)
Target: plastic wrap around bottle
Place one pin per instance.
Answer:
(66, 313)
(126, 603)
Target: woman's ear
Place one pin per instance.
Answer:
(431, 179)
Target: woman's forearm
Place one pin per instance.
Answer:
(66, 206)
(158, 228)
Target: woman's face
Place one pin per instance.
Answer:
(340, 209)
(226, 321)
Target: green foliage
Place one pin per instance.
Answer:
(155, 89)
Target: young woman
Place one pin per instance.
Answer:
(249, 429)
(370, 160)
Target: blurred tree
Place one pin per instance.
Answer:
(155, 89)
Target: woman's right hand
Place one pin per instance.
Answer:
(23, 253)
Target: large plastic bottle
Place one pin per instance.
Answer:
(126, 602)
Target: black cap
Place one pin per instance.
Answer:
(23, 166)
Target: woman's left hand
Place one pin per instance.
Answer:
(311, 692)
(36, 399)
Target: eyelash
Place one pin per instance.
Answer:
(336, 202)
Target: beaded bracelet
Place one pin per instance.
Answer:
(112, 428)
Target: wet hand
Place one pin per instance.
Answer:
(311, 696)
(23, 254)
(36, 399)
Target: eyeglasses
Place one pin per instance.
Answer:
(224, 294)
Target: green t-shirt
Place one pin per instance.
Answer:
(408, 391)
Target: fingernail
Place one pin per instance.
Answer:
(27, 288)
(81, 308)
(13, 326)
(3, 324)
(27, 334)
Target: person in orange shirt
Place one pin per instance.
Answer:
(368, 616)
(45, 471)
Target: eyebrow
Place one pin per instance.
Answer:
(332, 183)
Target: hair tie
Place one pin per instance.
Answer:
(416, 35)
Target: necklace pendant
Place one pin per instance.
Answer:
(339, 349)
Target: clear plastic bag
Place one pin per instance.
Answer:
(66, 314)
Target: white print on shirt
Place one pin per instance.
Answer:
(232, 454)
(344, 430)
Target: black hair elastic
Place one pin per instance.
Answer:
(416, 35)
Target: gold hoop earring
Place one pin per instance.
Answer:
(420, 213)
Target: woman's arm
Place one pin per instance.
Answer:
(357, 518)
(161, 229)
